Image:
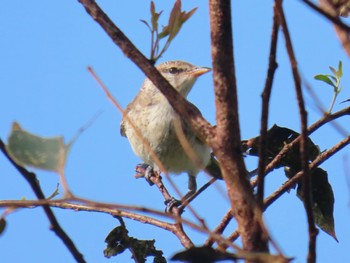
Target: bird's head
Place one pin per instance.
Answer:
(181, 75)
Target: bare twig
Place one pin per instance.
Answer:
(307, 186)
(221, 227)
(176, 212)
(55, 226)
(265, 109)
(80, 204)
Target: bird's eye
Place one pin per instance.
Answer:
(174, 70)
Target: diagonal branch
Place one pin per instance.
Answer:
(296, 178)
(185, 109)
(290, 183)
(55, 226)
(328, 11)
(330, 16)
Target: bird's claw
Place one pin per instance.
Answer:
(146, 171)
(171, 203)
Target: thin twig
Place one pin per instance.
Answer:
(326, 14)
(55, 226)
(307, 183)
(221, 227)
(108, 209)
(341, 29)
(265, 109)
(81, 204)
(176, 212)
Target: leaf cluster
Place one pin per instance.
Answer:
(333, 81)
(176, 20)
(322, 193)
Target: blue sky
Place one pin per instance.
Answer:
(45, 49)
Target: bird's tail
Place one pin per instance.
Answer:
(213, 168)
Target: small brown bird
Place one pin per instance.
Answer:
(154, 117)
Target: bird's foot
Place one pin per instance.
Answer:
(171, 203)
(146, 171)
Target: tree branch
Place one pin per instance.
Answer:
(307, 183)
(228, 143)
(265, 109)
(341, 29)
(80, 204)
(55, 226)
(185, 109)
(328, 15)
(221, 227)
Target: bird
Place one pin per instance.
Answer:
(153, 116)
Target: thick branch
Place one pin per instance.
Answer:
(55, 226)
(228, 143)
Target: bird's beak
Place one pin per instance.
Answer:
(199, 71)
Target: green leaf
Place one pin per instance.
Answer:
(334, 79)
(335, 73)
(324, 78)
(323, 200)
(185, 16)
(2, 225)
(35, 151)
(146, 23)
(340, 69)
(176, 19)
(55, 193)
(154, 17)
(165, 32)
